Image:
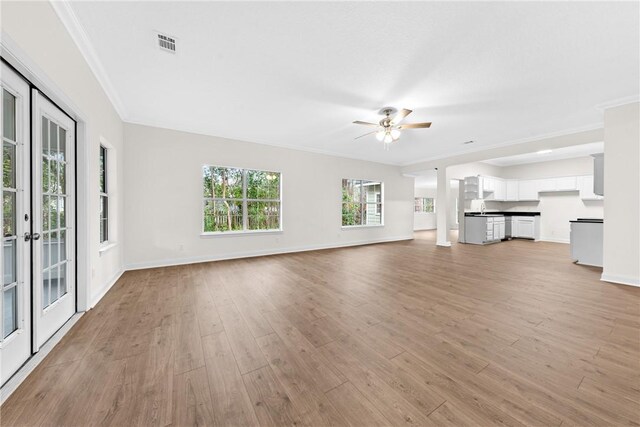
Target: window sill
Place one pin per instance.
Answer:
(356, 227)
(105, 247)
(207, 235)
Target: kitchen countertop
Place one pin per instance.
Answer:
(589, 220)
(504, 213)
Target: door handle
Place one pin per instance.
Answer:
(34, 236)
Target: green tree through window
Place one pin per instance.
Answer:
(361, 202)
(240, 199)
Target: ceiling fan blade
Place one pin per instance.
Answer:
(358, 122)
(369, 133)
(400, 116)
(415, 126)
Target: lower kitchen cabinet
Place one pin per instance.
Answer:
(483, 229)
(526, 227)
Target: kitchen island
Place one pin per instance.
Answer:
(587, 241)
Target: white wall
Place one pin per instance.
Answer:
(622, 194)
(471, 169)
(40, 36)
(424, 220)
(163, 199)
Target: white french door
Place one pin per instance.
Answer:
(53, 204)
(15, 216)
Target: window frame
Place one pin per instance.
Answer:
(364, 203)
(111, 187)
(104, 194)
(244, 200)
(422, 205)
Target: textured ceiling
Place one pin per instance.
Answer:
(297, 74)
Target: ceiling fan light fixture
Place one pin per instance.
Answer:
(388, 129)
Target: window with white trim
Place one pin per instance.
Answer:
(362, 202)
(241, 200)
(425, 205)
(104, 196)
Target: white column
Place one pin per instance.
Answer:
(621, 248)
(442, 208)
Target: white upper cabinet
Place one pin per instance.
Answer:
(493, 188)
(500, 192)
(473, 188)
(528, 189)
(511, 190)
(546, 185)
(598, 174)
(585, 185)
(567, 183)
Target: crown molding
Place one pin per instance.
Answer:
(70, 21)
(618, 102)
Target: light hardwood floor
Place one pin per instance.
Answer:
(389, 334)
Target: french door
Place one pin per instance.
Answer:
(38, 233)
(53, 204)
(15, 336)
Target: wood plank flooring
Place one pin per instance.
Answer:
(391, 334)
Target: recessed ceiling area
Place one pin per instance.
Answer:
(297, 74)
(547, 155)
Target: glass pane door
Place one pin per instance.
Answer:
(53, 204)
(9, 232)
(54, 230)
(15, 293)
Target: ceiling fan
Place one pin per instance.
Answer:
(388, 129)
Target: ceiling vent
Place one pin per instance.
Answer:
(166, 43)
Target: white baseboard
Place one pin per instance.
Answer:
(251, 254)
(102, 292)
(554, 240)
(621, 280)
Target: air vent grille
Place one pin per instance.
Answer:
(166, 43)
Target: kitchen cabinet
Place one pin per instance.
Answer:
(525, 227)
(545, 185)
(585, 186)
(598, 174)
(511, 190)
(493, 188)
(484, 229)
(567, 183)
(500, 191)
(473, 188)
(586, 242)
(528, 189)
(499, 229)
